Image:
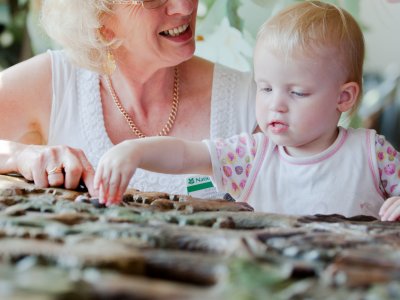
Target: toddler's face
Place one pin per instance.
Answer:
(297, 99)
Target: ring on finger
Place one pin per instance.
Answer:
(55, 170)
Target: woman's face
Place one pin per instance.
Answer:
(163, 36)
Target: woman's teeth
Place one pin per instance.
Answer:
(175, 31)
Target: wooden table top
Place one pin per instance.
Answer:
(158, 246)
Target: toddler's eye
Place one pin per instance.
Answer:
(267, 89)
(300, 94)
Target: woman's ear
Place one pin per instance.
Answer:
(105, 34)
(348, 96)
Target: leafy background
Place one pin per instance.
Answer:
(226, 32)
(226, 29)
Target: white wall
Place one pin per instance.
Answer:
(382, 34)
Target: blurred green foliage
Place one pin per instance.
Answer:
(21, 36)
(14, 40)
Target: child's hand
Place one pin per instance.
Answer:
(390, 210)
(114, 171)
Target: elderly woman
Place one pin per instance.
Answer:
(126, 71)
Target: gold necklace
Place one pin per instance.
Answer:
(172, 115)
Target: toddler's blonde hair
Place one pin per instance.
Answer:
(310, 26)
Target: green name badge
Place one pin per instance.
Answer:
(202, 187)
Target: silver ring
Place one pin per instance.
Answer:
(55, 170)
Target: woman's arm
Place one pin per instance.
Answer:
(158, 154)
(25, 108)
(25, 101)
(25, 105)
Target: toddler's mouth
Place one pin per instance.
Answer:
(278, 126)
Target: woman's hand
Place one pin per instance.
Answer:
(114, 172)
(390, 210)
(54, 166)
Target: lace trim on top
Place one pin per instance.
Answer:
(222, 111)
(91, 116)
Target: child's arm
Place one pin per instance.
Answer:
(157, 154)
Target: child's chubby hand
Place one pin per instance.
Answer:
(390, 210)
(115, 169)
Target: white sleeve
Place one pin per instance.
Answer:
(64, 100)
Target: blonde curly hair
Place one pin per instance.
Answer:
(75, 25)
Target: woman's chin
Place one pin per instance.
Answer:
(184, 55)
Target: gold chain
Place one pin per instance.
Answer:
(172, 115)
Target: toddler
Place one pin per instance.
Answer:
(308, 66)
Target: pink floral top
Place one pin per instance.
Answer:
(389, 166)
(236, 156)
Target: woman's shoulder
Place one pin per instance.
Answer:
(60, 60)
(239, 80)
(231, 71)
(198, 67)
(36, 68)
(216, 74)
(64, 70)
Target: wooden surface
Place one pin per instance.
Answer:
(160, 246)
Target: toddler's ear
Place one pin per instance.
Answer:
(348, 96)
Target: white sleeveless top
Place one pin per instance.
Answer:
(343, 179)
(77, 116)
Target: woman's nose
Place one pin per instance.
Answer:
(182, 7)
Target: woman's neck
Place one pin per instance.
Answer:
(138, 88)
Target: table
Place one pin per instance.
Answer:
(160, 246)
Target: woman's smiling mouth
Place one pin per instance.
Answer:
(175, 31)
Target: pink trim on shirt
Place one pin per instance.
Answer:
(321, 156)
(257, 170)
